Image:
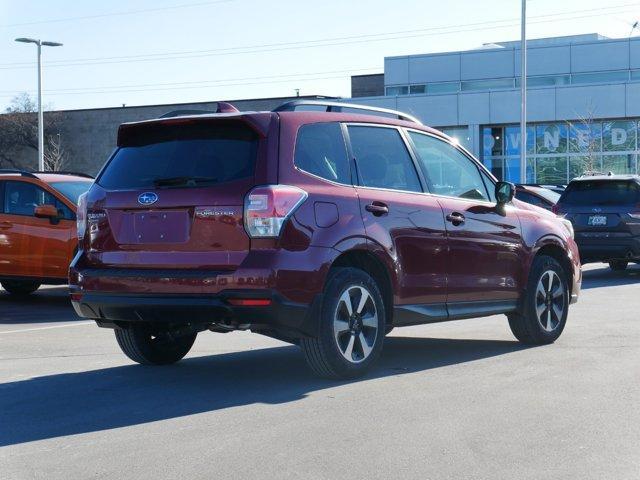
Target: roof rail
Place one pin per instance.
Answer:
(338, 106)
(557, 185)
(16, 171)
(66, 172)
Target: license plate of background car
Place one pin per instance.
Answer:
(597, 220)
(170, 226)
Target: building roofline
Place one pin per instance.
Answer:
(206, 102)
(510, 45)
(368, 75)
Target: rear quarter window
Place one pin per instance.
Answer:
(601, 192)
(321, 151)
(153, 152)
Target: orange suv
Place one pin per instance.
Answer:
(38, 227)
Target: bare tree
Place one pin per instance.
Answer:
(22, 103)
(19, 131)
(55, 156)
(586, 143)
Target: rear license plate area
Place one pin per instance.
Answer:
(597, 221)
(161, 226)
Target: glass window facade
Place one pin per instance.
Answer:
(600, 77)
(491, 84)
(395, 91)
(443, 87)
(435, 88)
(560, 151)
(546, 80)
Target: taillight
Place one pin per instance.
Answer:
(81, 216)
(636, 212)
(267, 208)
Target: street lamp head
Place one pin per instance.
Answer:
(38, 42)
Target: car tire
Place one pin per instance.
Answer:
(618, 265)
(149, 345)
(351, 326)
(545, 306)
(20, 288)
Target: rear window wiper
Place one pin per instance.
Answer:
(183, 181)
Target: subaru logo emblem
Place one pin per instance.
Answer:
(596, 210)
(147, 198)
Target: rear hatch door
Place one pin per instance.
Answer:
(172, 195)
(599, 208)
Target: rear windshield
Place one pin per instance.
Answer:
(158, 155)
(602, 192)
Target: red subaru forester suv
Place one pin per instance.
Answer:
(321, 224)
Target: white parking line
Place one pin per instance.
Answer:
(74, 324)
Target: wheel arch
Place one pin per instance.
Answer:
(370, 263)
(554, 247)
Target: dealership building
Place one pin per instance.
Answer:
(583, 106)
(583, 103)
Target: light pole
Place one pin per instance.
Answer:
(40, 44)
(523, 93)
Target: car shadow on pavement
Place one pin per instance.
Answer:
(74, 403)
(29, 309)
(605, 277)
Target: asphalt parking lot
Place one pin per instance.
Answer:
(459, 400)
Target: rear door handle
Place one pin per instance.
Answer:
(377, 208)
(455, 218)
(5, 225)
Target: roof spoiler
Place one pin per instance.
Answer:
(338, 107)
(223, 107)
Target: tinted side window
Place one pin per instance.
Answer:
(532, 199)
(21, 198)
(382, 159)
(2, 197)
(490, 184)
(449, 171)
(63, 211)
(321, 151)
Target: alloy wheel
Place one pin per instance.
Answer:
(355, 324)
(550, 301)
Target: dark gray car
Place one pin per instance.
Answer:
(605, 213)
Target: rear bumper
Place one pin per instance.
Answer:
(298, 276)
(606, 249)
(111, 310)
(292, 280)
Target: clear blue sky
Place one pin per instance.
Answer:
(198, 50)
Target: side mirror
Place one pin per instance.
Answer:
(45, 211)
(505, 191)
